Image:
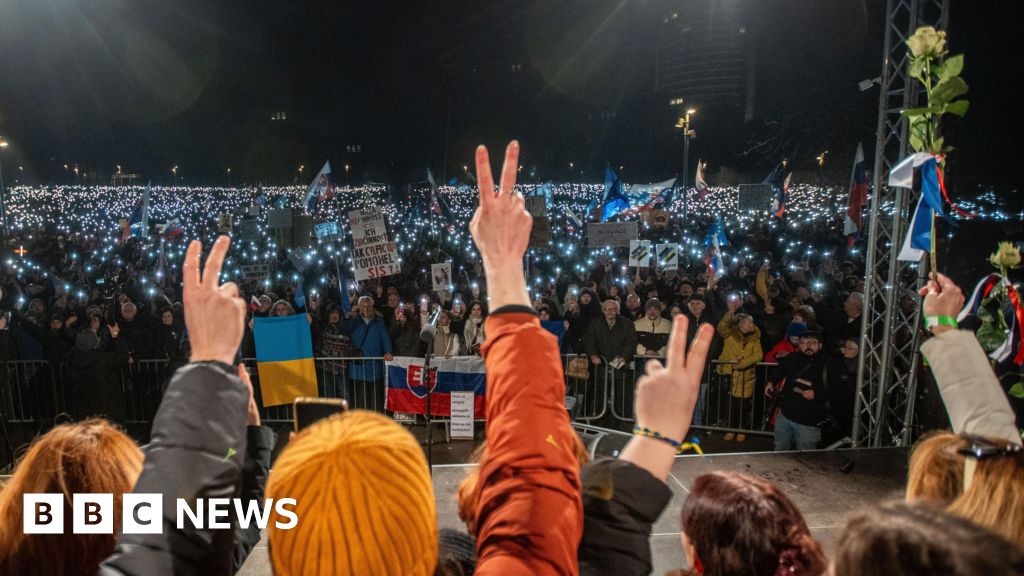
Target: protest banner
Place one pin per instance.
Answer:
(372, 254)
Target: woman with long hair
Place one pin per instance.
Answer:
(92, 456)
(473, 332)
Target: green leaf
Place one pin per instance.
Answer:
(937, 145)
(951, 67)
(1017, 390)
(947, 91)
(990, 336)
(958, 108)
(911, 112)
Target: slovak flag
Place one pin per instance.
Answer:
(320, 189)
(933, 190)
(714, 241)
(699, 182)
(172, 229)
(858, 196)
(779, 202)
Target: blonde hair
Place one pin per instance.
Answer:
(995, 497)
(92, 456)
(936, 471)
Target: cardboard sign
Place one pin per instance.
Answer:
(255, 272)
(540, 233)
(656, 218)
(613, 234)
(279, 218)
(249, 230)
(755, 197)
(373, 255)
(668, 256)
(640, 253)
(537, 206)
(462, 415)
(441, 276)
(327, 231)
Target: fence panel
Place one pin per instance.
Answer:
(30, 391)
(589, 394)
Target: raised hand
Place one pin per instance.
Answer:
(942, 298)
(214, 313)
(501, 225)
(666, 395)
(501, 229)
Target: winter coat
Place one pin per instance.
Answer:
(197, 450)
(744, 350)
(974, 399)
(621, 502)
(529, 516)
(369, 339)
(617, 341)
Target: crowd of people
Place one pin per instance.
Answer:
(365, 500)
(90, 299)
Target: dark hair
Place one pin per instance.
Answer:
(900, 538)
(742, 525)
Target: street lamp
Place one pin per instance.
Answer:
(684, 124)
(347, 183)
(3, 206)
(301, 168)
(229, 176)
(174, 170)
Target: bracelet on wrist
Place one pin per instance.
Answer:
(934, 321)
(648, 433)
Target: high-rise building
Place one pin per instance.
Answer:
(705, 53)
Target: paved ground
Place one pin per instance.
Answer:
(812, 479)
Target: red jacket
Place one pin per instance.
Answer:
(783, 346)
(530, 514)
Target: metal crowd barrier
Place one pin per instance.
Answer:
(32, 391)
(720, 407)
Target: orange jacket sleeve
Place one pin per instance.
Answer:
(530, 514)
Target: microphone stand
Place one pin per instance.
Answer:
(430, 417)
(427, 335)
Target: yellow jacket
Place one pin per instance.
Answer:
(744, 350)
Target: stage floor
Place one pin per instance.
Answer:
(812, 479)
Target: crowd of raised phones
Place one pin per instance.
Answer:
(533, 504)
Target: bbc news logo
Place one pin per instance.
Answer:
(143, 513)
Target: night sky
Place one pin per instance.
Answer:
(149, 84)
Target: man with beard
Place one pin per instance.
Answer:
(801, 387)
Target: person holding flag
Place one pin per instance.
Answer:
(715, 239)
(858, 197)
(699, 182)
(320, 189)
(779, 202)
(138, 222)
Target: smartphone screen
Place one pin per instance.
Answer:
(308, 411)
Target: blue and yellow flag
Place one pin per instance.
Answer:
(284, 358)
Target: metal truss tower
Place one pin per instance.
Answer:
(888, 363)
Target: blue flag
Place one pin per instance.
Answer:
(614, 200)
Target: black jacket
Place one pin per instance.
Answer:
(803, 373)
(620, 504)
(619, 340)
(255, 469)
(198, 443)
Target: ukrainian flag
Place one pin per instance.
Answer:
(284, 358)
